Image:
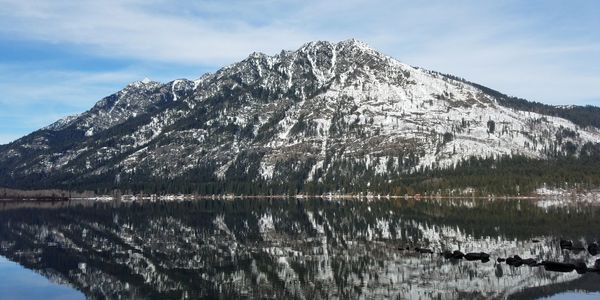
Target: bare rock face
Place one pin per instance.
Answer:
(327, 111)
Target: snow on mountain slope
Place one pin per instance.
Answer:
(327, 109)
(62, 123)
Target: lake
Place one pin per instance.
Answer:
(297, 249)
(20, 283)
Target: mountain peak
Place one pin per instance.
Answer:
(344, 44)
(308, 115)
(146, 82)
(354, 42)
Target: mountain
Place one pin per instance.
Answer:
(326, 117)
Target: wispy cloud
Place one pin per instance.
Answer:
(141, 30)
(546, 51)
(24, 86)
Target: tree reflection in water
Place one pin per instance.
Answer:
(304, 249)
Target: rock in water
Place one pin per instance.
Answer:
(477, 256)
(423, 250)
(457, 254)
(558, 266)
(515, 261)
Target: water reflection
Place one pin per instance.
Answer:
(20, 283)
(301, 249)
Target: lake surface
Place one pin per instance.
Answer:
(20, 283)
(296, 249)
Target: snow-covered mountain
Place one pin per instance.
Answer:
(327, 110)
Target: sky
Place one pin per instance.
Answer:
(59, 57)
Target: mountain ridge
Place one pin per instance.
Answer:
(326, 112)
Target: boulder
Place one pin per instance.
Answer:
(593, 249)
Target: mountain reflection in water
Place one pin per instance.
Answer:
(304, 249)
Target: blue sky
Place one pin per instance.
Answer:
(59, 57)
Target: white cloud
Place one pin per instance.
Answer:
(127, 28)
(493, 43)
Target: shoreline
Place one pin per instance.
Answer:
(179, 197)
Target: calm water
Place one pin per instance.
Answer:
(295, 249)
(19, 283)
